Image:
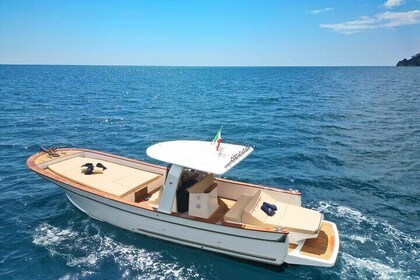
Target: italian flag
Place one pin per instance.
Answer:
(218, 139)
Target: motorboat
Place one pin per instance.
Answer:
(188, 203)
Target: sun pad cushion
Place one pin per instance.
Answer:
(116, 179)
(294, 218)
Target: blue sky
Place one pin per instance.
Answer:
(227, 33)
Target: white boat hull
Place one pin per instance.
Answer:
(251, 245)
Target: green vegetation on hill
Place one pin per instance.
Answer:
(413, 61)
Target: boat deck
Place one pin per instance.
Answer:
(125, 181)
(321, 247)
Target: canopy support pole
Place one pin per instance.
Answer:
(168, 200)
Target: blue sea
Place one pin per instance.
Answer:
(348, 138)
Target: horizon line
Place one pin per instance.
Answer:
(208, 66)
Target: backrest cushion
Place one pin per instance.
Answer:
(235, 213)
(202, 185)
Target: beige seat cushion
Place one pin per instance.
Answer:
(116, 179)
(202, 185)
(302, 220)
(235, 213)
(294, 218)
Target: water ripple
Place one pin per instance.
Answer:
(346, 136)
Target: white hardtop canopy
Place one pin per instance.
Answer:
(200, 155)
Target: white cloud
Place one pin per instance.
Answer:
(389, 4)
(382, 20)
(401, 18)
(321, 11)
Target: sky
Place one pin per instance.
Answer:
(209, 33)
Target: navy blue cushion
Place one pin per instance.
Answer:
(267, 210)
(272, 206)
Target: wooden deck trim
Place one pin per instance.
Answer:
(44, 172)
(292, 247)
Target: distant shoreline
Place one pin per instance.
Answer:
(413, 61)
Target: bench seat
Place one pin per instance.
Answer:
(234, 215)
(302, 223)
(292, 217)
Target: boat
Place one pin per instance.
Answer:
(188, 203)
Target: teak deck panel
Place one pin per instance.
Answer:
(321, 247)
(218, 214)
(292, 247)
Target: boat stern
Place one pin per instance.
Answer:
(321, 251)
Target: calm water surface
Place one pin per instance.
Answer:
(348, 138)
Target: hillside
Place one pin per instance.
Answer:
(413, 61)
